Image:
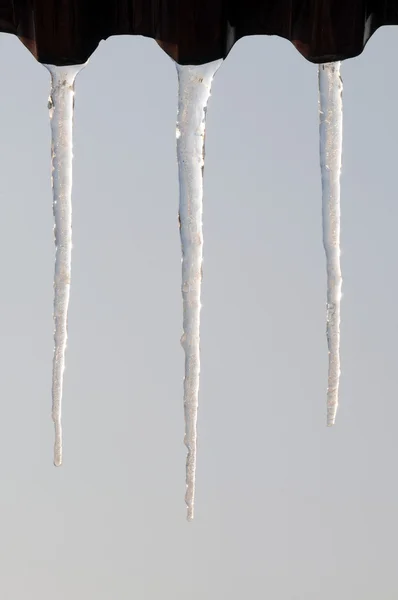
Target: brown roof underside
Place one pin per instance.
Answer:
(65, 32)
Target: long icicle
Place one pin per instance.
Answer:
(331, 138)
(193, 95)
(61, 104)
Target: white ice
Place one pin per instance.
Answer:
(61, 104)
(331, 136)
(193, 95)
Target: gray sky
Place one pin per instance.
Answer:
(286, 508)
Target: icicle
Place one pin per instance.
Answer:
(331, 135)
(194, 91)
(61, 104)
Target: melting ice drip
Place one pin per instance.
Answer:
(61, 104)
(331, 136)
(193, 95)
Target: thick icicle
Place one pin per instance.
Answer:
(61, 104)
(194, 91)
(331, 136)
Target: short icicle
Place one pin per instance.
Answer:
(331, 137)
(194, 92)
(61, 104)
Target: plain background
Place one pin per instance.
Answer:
(286, 508)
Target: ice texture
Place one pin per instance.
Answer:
(61, 105)
(331, 137)
(193, 95)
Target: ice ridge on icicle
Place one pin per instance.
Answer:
(331, 136)
(194, 87)
(61, 104)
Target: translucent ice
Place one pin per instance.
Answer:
(194, 92)
(331, 136)
(61, 104)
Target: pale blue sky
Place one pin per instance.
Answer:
(286, 508)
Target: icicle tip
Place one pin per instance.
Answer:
(331, 418)
(57, 460)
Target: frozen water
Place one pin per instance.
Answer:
(193, 95)
(61, 104)
(331, 136)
